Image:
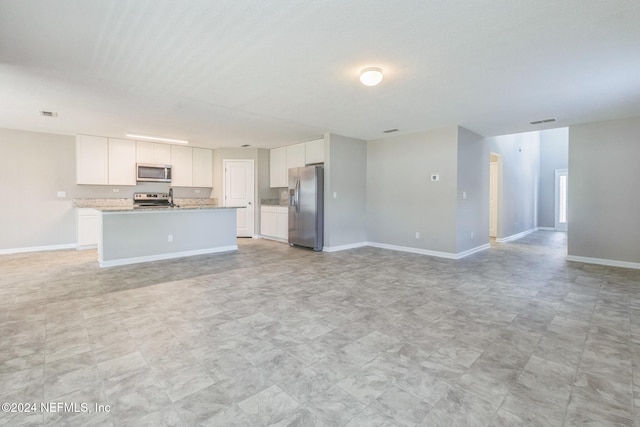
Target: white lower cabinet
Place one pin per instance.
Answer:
(282, 223)
(274, 222)
(88, 228)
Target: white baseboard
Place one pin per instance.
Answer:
(38, 249)
(472, 251)
(275, 239)
(85, 247)
(546, 228)
(345, 247)
(514, 236)
(601, 261)
(419, 251)
(438, 254)
(160, 257)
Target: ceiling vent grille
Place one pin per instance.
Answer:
(49, 113)
(539, 122)
(390, 131)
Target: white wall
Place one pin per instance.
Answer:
(402, 200)
(554, 154)
(35, 166)
(345, 171)
(604, 201)
(473, 180)
(518, 202)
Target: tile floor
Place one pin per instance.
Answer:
(273, 335)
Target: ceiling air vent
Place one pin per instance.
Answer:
(49, 113)
(539, 122)
(245, 145)
(390, 131)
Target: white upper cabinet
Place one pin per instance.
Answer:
(314, 152)
(191, 167)
(92, 160)
(278, 167)
(152, 152)
(182, 166)
(122, 162)
(112, 161)
(282, 159)
(295, 156)
(202, 167)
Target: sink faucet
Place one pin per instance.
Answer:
(171, 197)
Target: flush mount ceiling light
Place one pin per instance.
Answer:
(371, 76)
(156, 138)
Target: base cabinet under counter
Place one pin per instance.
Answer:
(87, 228)
(274, 222)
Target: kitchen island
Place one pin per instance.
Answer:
(129, 235)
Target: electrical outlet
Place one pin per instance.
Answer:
(197, 191)
(417, 234)
(116, 190)
(472, 235)
(464, 194)
(335, 194)
(170, 238)
(62, 194)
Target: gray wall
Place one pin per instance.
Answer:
(402, 200)
(473, 179)
(518, 201)
(554, 154)
(604, 175)
(345, 174)
(35, 166)
(144, 234)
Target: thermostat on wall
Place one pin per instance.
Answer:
(435, 177)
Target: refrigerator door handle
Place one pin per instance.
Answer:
(297, 195)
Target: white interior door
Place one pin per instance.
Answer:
(562, 181)
(493, 199)
(239, 190)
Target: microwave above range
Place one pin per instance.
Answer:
(148, 172)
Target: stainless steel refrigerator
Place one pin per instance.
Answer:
(306, 207)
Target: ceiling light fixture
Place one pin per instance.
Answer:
(156, 138)
(538, 122)
(371, 76)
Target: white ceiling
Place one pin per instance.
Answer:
(274, 72)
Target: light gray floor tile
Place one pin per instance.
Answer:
(514, 335)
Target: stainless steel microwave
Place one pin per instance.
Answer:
(148, 172)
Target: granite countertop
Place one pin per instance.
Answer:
(163, 209)
(274, 202)
(127, 204)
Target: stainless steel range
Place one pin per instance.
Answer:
(152, 200)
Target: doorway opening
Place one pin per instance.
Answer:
(562, 181)
(495, 177)
(239, 190)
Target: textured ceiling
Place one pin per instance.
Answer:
(275, 72)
